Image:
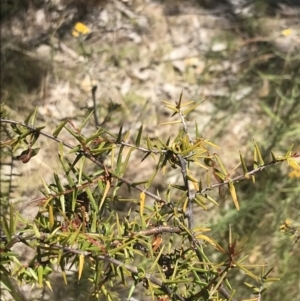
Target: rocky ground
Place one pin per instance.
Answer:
(139, 53)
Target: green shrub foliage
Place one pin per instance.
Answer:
(155, 244)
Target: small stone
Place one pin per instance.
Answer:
(220, 46)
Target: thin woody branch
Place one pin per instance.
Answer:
(43, 236)
(89, 156)
(102, 244)
(190, 213)
(128, 182)
(239, 177)
(166, 289)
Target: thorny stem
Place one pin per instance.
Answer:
(156, 230)
(106, 258)
(118, 263)
(43, 235)
(183, 163)
(190, 213)
(155, 197)
(184, 125)
(145, 150)
(89, 156)
(237, 178)
(128, 182)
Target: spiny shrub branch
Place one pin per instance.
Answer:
(78, 225)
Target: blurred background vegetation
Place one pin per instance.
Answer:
(247, 69)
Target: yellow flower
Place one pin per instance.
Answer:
(80, 29)
(286, 225)
(294, 174)
(287, 32)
